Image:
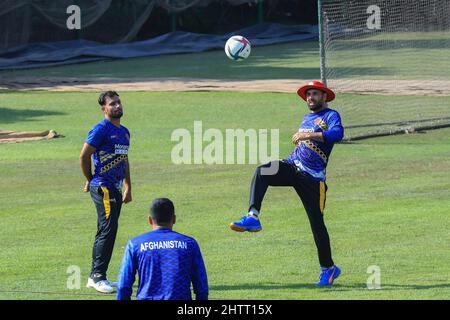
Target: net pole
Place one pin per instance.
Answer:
(173, 21)
(260, 11)
(321, 43)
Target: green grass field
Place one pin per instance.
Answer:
(387, 203)
(295, 60)
(393, 56)
(396, 56)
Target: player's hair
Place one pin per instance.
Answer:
(162, 211)
(103, 95)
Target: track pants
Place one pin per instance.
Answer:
(311, 192)
(108, 202)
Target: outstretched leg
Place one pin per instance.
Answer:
(275, 173)
(264, 177)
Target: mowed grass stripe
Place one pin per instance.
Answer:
(387, 203)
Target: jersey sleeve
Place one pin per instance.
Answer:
(127, 274)
(198, 275)
(96, 136)
(335, 131)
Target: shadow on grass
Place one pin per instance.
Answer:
(67, 293)
(231, 73)
(296, 61)
(335, 287)
(249, 286)
(386, 44)
(8, 115)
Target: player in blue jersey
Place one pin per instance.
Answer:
(166, 262)
(107, 144)
(304, 170)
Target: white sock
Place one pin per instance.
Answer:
(326, 269)
(254, 213)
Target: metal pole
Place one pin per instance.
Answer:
(173, 17)
(260, 11)
(322, 43)
(173, 21)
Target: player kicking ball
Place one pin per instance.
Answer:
(304, 170)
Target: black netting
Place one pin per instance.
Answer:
(397, 49)
(106, 21)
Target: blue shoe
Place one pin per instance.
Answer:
(247, 223)
(327, 276)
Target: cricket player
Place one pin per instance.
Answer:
(108, 144)
(304, 170)
(166, 262)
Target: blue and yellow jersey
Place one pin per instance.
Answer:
(312, 156)
(167, 262)
(111, 143)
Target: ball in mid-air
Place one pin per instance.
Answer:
(238, 48)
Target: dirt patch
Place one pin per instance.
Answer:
(383, 87)
(13, 137)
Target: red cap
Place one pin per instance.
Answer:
(316, 85)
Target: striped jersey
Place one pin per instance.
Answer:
(111, 143)
(312, 156)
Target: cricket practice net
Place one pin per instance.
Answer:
(389, 62)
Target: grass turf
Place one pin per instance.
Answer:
(388, 56)
(387, 203)
(295, 60)
(353, 60)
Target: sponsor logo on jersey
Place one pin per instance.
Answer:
(320, 123)
(121, 149)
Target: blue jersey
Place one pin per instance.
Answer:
(311, 156)
(112, 145)
(167, 263)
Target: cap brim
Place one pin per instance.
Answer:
(302, 92)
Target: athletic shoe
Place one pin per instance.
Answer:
(327, 276)
(91, 283)
(102, 286)
(112, 283)
(247, 223)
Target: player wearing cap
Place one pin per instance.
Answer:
(305, 170)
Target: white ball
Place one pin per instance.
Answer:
(238, 48)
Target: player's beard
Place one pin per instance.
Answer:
(116, 114)
(316, 106)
